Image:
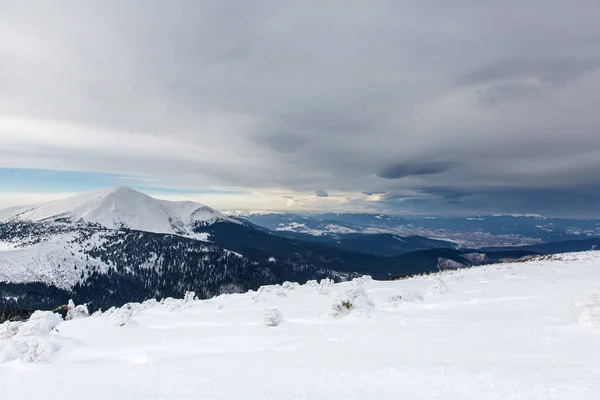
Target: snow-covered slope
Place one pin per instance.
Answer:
(63, 242)
(53, 261)
(511, 331)
(122, 207)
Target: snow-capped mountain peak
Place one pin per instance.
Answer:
(122, 207)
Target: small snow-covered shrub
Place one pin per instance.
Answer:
(290, 285)
(189, 296)
(40, 323)
(362, 279)
(324, 286)
(75, 312)
(340, 308)
(150, 303)
(30, 340)
(172, 304)
(272, 317)
(121, 316)
(354, 300)
(111, 310)
(312, 283)
(263, 292)
(326, 282)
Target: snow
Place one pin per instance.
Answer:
(54, 261)
(536, 216)
(7, 246)
(122, 207)
(521, 331)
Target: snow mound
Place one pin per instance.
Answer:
(354, 300)
(121, 207)
(119, 317)
(75, 312)
(40, 323)
(272, 317)
(324, 286)
(30, 341)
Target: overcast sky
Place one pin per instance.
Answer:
(440, 107)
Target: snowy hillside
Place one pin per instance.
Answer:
(116, 245)
(122, 207)
(511, 331)
(64, 242)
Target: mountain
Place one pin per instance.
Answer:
(122, 208)
(264, 246)
(369, 220)
(381, 244)
(567, 246)
(322, 224)
(470, 232)
(289, 222)
(115, 245)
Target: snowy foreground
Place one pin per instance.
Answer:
(511, 331)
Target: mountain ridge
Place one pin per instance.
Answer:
(120, 207)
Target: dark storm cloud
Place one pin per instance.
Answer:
(446, 192)
(500, 111)
(403, 170)
(321, 193)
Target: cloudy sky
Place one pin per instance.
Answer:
(436, 107)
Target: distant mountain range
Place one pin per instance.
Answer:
(116, 245)
(470, 232)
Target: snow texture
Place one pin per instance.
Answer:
(510, 331)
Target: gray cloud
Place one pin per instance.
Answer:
(372, 192)
(446, 192)
(403, 170)
(549, 70)
(291, 96)
(321, 193)
(517, 78)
